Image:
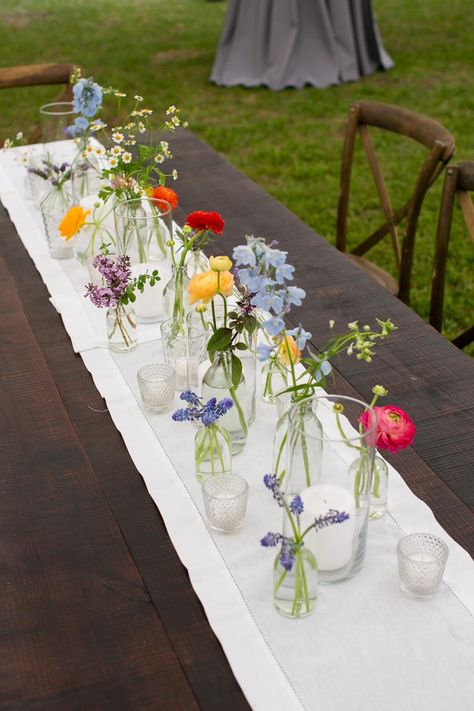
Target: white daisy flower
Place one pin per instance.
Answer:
(126, 157)
(174, 174)
(116, 150)
(164, 145)
(130, 125)
(138, 98)
(113, 162)
(99, 151)
(159, 158)
(141, 127)
(119, 93)
(117, 137)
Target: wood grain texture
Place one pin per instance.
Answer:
(158, 651)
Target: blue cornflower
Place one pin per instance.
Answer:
(244, 256)
(190, 397)
(286, 556)
(270, 540)
(263, 352)
(297, 506)
(300, 336)
(274, 326)
(87, 97)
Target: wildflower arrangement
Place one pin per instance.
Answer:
(212, 443)
(292, 556)
(117, 290)
(265, 273)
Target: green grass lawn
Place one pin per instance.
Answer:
(289, 142)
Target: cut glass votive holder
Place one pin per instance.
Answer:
(421, 562)
(225, 501)
(157, 386)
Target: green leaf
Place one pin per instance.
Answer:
(241, 346)
(250, 323)
(220, 340)
(236, 370)
(132, 297)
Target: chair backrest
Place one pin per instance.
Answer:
(458, 181)
(423, 130)
(39, 74)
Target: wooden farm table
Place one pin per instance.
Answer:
(96, 609)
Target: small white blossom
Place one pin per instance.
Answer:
(159, 158)
(138, 98)
(116, 150)
(126, 157)
(19, 135)
(331, 324)
(99, 151)
(170, 110)
(119, 93)
(113, 162)
(7, 143)
(174, 174)
(117, 137)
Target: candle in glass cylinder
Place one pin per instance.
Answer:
(333, 545)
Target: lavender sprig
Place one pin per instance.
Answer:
(208, 413)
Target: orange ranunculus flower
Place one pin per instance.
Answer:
(72, 221)
(203, 287)
(290, 354)
(163, 193)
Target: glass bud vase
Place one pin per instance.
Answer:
(196, 263)
(121, 328)
(54, 206)
(143, 226)
(212, 451)
(321, 470)
(175, 295)
(295, 591)
(249, 369)
(378, 502)
(288, 450)
(217, 382)
(274, 380)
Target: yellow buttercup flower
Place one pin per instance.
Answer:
(203, 287)
(72, 222)
(220, 264)
(290, 354)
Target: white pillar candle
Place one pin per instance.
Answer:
(332, 545)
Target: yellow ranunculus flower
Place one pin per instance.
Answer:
(220, 264)
(203, 287)
(289, 355)
(72, 222)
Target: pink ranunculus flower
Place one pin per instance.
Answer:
(395, 429)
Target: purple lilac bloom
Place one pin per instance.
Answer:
(116, 274)
(297, 506)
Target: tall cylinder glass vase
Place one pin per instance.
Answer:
(143, 227)
(217, 382)
(55, 119)
(175, 295)
(320, 466)
(54, 205)
(249, 369)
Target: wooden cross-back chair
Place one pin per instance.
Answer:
(423, 130)
(458, 181)
(37, 75)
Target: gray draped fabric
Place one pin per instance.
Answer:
(280, 43)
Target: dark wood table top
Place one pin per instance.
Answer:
(97, 611)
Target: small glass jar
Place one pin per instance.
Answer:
(212, 451)
(295, 591)
(121, 328)
(217, 382)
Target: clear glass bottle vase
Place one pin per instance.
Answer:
(274, 380)
(217, 382)
(196, 262)
(175, 295)
(212, 451)
(121, 328)
(295, 591)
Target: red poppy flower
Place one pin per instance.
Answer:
(202, 221)
(163, 193)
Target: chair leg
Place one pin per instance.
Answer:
(465, 338)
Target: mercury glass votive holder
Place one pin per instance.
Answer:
(421, 562)
(157, 386)
(225, 501)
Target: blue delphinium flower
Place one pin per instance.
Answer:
(320, 372)
(263, 352)
(300, 336)
(244, 256)
(87, 97)
(274, 326)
